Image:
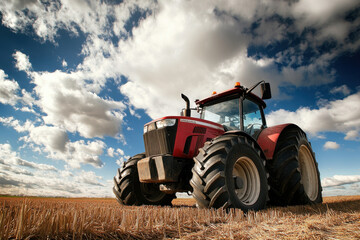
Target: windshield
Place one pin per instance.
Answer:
(225, 113)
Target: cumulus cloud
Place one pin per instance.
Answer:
(352, 135)
(110, 152)
(68, 104)
(343, 89)
(64, 63)
(331, 145)
(8, 89)
(22, 177)
(213, 52)
(55, 142)
(339, 180)
(121, 160)
(340, 115)
(88, 17)
(89, 178)
(10, 94)
(185, 46)
(117, 153)
(10, 158)
(55, 184)
(22, 61)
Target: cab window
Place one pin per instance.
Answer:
(225, 113)
(253, 122)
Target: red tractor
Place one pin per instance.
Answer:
(227, 158)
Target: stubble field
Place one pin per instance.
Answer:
(58, 218)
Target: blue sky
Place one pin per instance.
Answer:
(79, 79)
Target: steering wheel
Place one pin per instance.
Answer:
(250, 128)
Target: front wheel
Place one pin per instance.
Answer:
(130, 191)
(229, 172)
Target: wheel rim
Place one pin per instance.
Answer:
(151, 192)
(309, 176)
(246, 171)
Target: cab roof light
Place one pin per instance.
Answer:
(214, 92)
(237, 84)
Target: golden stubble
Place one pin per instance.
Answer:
(61, 218)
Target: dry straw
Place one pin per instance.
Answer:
(55, 218)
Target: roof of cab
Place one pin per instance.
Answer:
(236, 89)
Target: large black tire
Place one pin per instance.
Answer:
(229, 172)
(130, 191)
(294, 174)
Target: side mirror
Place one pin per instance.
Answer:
(265, 91)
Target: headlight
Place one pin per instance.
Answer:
(165, 123)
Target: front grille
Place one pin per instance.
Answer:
(160, 141)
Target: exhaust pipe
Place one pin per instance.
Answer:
(186, 112)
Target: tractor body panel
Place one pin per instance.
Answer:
(268, 139)
(183, 139)
(170, 149)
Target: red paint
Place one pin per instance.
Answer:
(228, 93)
(268, 139)
(185, 129)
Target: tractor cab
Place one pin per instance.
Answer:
(236, 109)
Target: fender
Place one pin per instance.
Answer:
(269, 137)
(242, 133)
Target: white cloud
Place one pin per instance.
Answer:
(54, 184)
(66, 102)
(331, 145)
(89, 178)
(55, 142)
(10, 158)
(115, 152)
(8, 89)
(64, 63)
(339, 115)
(110, 152)
(9, 94)
(121, 160)
(89, 17)
(343, 89)
(22, 177)
(187, 46)
(352, 135)
(212, 53)
(339, 180)
(22, 61)
(69, 102)
(85, 152)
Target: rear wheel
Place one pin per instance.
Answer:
(130, 191)
(294, 173)
(229, 173)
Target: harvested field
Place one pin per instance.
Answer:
(58, 218)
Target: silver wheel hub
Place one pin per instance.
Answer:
(309, 176)
(246, 181)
